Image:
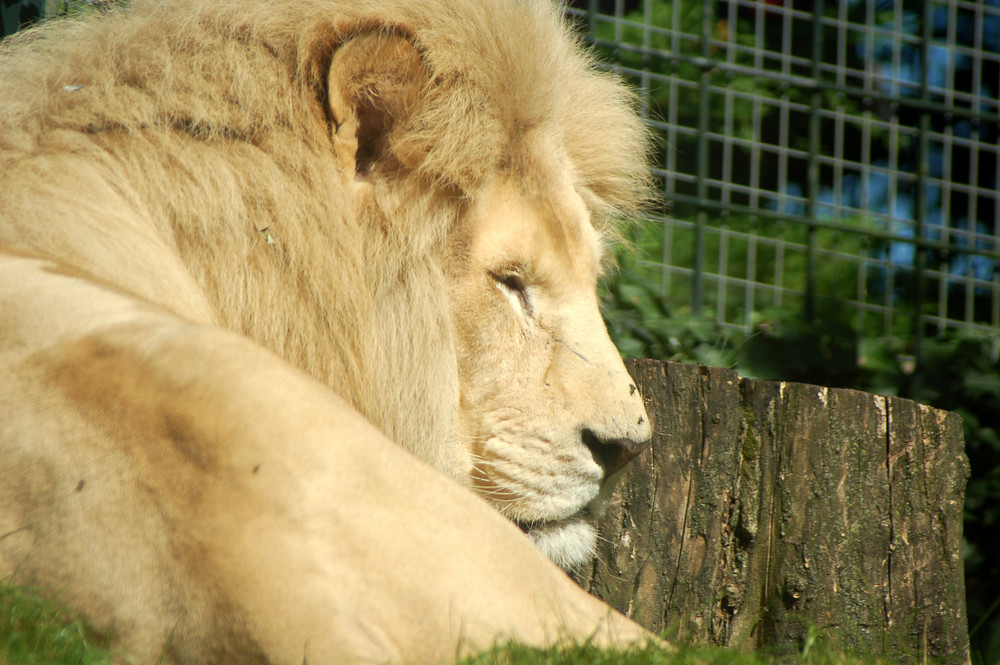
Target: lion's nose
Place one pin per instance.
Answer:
(612, 454)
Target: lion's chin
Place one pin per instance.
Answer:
(568, 542)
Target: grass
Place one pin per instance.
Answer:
(813, 653)
(36, 632)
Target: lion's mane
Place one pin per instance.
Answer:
(205, 121)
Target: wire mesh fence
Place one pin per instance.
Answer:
(820, 159)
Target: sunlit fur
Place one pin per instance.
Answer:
(200, 118)
(199, 157)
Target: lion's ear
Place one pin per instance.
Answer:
(375, 80)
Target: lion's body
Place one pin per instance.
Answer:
(245, 245)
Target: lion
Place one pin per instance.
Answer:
(301, 356)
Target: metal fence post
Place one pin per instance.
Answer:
(698, 278)
(923, 172)
(815, 101)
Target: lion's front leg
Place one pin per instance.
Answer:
(203, 500)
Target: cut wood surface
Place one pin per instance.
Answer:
(767, 514)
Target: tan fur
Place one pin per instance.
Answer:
(406, 204)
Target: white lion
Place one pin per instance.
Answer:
(245, 248)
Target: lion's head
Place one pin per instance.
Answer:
(410, 202)
(548, 413)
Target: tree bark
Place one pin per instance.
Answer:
(771, 514)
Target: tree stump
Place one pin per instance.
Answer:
(770, 514)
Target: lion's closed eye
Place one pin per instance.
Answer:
(512, 284)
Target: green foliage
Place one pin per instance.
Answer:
(36, 632)
(641, 323)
